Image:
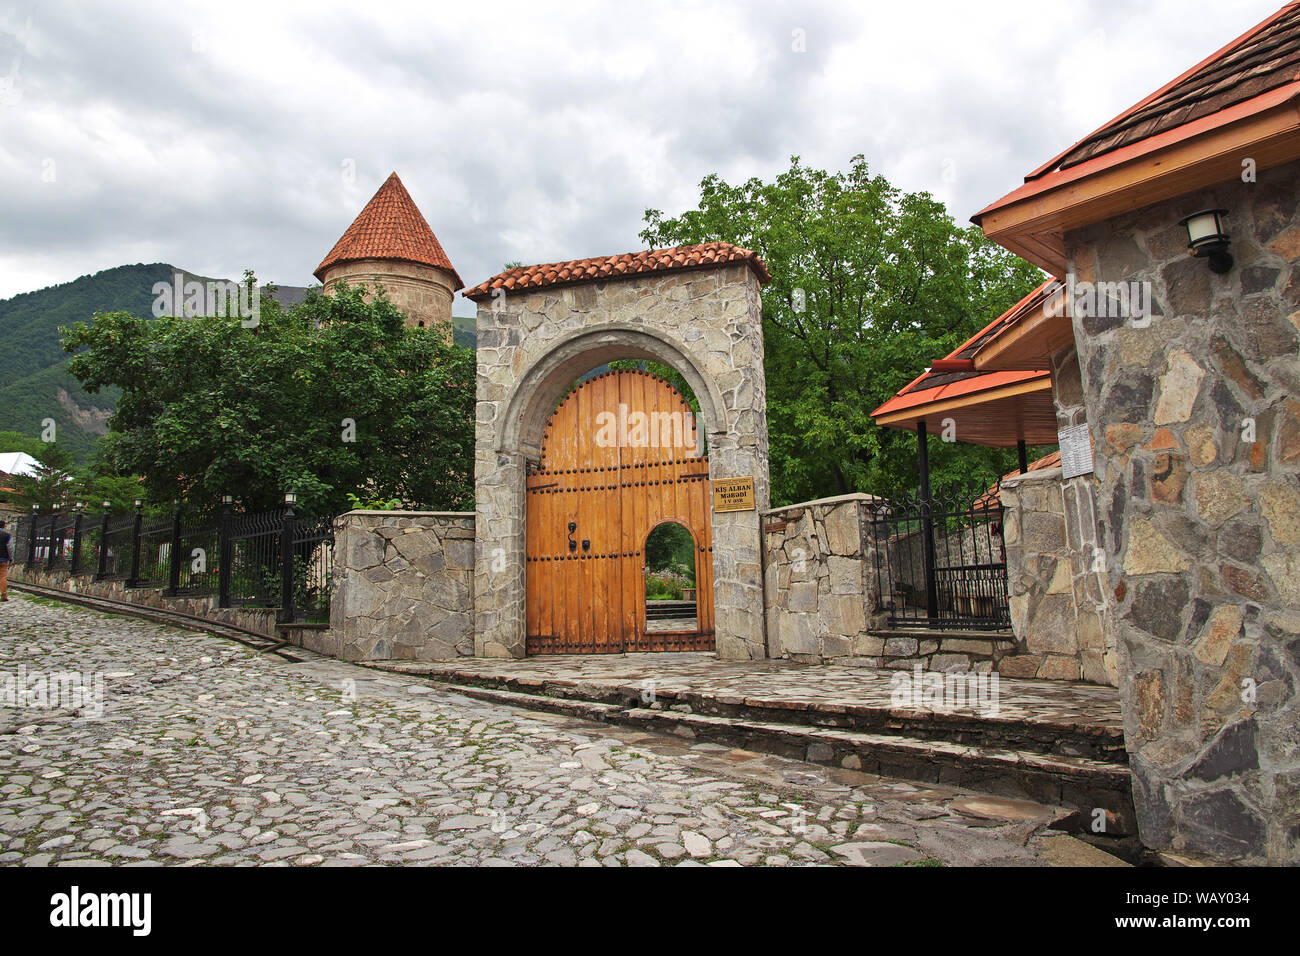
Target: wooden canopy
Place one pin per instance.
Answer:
(999, 408)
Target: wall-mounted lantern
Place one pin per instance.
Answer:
(1207, 237)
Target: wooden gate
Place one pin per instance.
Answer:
(621, 455)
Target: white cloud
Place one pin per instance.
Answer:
(215, 136)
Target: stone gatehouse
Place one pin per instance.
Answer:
(695, 309)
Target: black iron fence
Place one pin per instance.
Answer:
(268, 559)
(941, 561)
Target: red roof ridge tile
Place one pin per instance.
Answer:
(390, 226)
(675, 258)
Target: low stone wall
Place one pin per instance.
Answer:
(822, 599)
(403, 587)
(937, 651)
(819, 580)
(1059, 611)
(259, 620)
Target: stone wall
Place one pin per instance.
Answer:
(820, 590)
(822, 595)
(403, 587)
(422, 292)
(1196, 428)
(259, 620)
(707, 324)
(1059, 611)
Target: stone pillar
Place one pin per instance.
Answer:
(1055, 580)
(821, 593)
(403, 586)
(1196, 431)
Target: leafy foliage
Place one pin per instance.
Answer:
(334, 396)
(870, 284)
(670, 547)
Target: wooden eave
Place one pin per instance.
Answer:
(998, 417)
(1027, 346)
(1032, 220)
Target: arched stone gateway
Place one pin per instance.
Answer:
(696, 309)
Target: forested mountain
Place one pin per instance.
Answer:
(34, 382)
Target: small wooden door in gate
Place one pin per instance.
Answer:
(621, 455)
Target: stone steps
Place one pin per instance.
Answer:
(1081, 783)
(1095, 741)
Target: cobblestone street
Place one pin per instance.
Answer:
(209, 753)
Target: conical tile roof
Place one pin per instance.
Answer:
(390, 227)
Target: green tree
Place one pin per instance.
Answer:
(51, 482)
(870, 284)
(670, 547)
(334, 396)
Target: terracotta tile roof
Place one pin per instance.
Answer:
(991, 499)
(1264, 58)
(607, 267)
(390, 227)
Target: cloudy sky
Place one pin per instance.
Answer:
(225, 136)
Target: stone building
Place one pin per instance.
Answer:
(1194, 423)
(391, 245)
(1057, 606)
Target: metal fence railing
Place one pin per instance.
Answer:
(238, 558)
(942, 563)
(199, 568)
(313, 566)
(154, 542)
(119, 546)
(255, 566)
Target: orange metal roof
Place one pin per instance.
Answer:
(997, 408)
(931, 381)
(390, 227)
(1265, 57)
(700, 256)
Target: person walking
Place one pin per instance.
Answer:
(5, 560)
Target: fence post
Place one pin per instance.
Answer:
(174, 565)
(287, 529)
(31, 542)
(102, 571)
(134, 579)
(74, 565)
(49, 555)
(225, 553)
(927, 525)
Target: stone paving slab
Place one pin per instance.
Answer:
(824, 687)
(208, 753)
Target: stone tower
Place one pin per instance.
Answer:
(390, 244)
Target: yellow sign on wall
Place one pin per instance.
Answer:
(733, 494)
